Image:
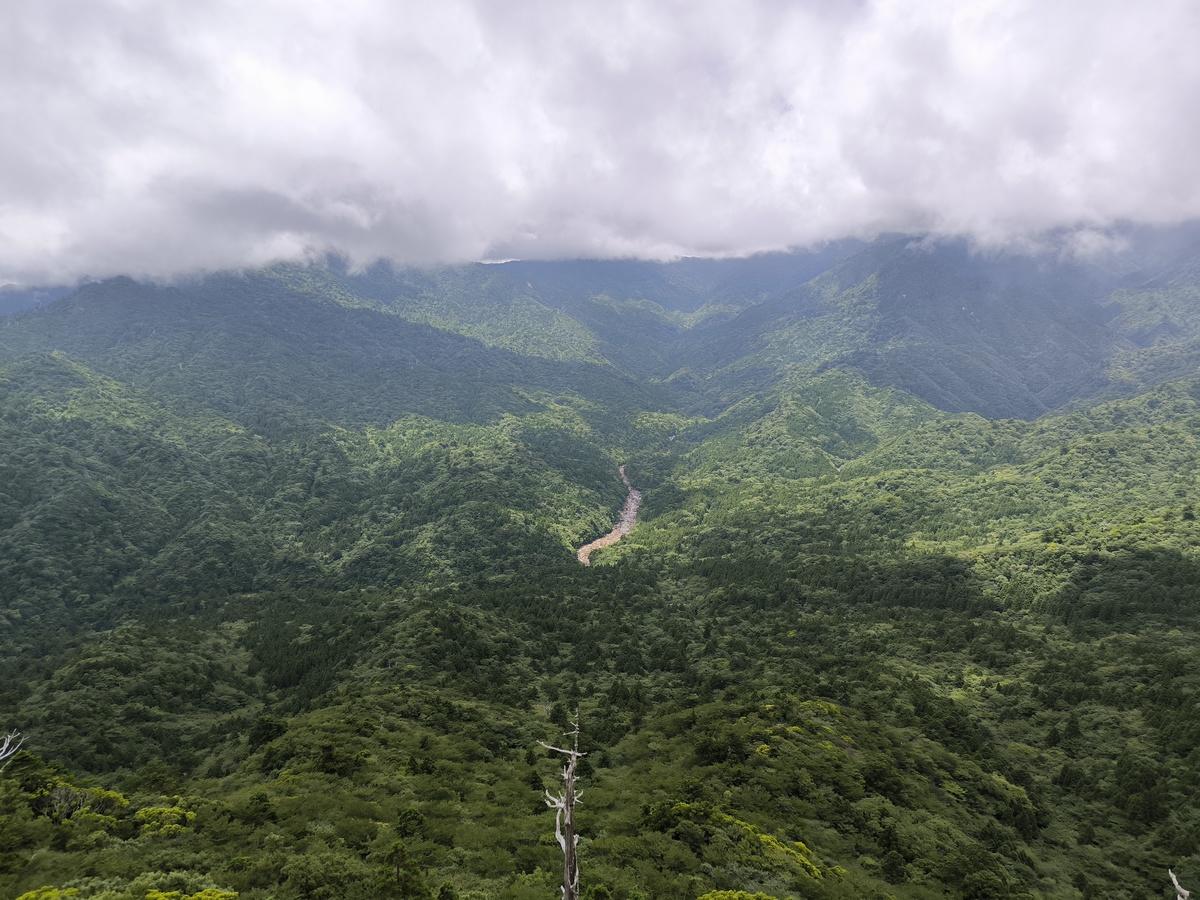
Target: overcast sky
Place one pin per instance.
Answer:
(163, 137)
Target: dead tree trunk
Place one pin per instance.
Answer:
(9, 745)
(1180, 893)
(564, 813)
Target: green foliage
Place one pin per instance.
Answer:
(288, 595)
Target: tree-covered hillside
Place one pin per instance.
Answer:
(289, 594)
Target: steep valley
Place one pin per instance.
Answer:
(290, 577)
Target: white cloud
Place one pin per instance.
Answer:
(160, 137)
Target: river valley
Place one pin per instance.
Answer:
(625, 522)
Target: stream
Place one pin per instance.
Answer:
(625, 523)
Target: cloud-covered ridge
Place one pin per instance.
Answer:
(160, 137)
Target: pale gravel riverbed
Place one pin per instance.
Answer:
(625, 522)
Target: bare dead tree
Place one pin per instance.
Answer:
(1180, 892)
(9, 745)
(564, 812)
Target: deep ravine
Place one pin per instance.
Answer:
(625, 523)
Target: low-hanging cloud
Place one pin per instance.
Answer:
(157, 138)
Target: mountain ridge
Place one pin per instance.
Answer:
(290, 594)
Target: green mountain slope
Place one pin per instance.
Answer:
(273, 357)
(1001, 335)
(289, 595)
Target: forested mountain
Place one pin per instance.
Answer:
(289, 592)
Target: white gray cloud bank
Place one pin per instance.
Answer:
(155, 137)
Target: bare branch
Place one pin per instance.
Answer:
(65, 801)
(561, 750)
(1180, 892)
(9, 745)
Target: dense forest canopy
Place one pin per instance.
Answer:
(289, 591)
